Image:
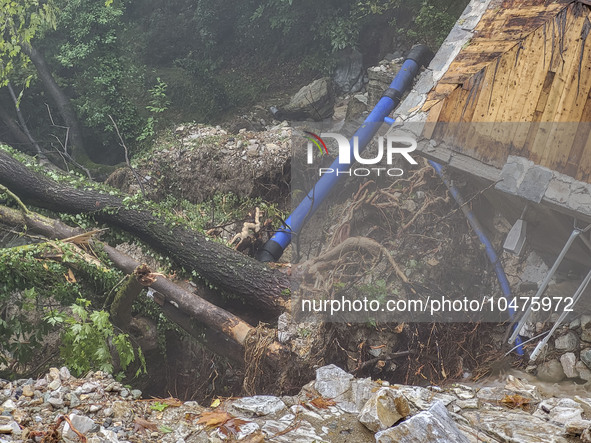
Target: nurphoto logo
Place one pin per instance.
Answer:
(390, 146)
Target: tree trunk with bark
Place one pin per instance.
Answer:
(181, 306)
(19, 137)
(229, 271)
(61, 100)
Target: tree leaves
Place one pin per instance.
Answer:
(19, 23)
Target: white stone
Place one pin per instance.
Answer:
(434, 425)
(259, 404)
(65, 374)
(568, 362)
(8, 406)
(577, 427)
(81, 423)
(87, 388)
(332, 382)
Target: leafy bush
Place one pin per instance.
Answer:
(89, 341)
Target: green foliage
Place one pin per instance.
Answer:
(32, 286)
(158, 104)
(20, 21)
(89, 339)
(158, 406)
(97, 67)
(431, 24)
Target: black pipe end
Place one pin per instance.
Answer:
(421, 54)
(270, 252)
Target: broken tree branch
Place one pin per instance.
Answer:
(137, 179)
(202, 311)
(229, 271)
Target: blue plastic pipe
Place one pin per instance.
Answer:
(490, 251)
(273, 249)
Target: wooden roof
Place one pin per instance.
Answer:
(529, 62)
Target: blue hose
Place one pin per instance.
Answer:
(490, 251)
(274, 247)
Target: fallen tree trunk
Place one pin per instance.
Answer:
(228, 270)
(202, 311)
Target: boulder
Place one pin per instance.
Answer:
(431, 426)
(313, 102)
(383, 409)
(551, 371)
(348, 75)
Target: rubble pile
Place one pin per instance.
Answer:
(334, 407)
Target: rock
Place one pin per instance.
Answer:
(568, 362)
(28, 391)
(104, 436)
(8, 406)
(566, 410)
(383, 409)
(81, 423)
(348, 75)
(136, 394)
(54, 385)
(357, 106)
(56, 402)
(468, 404)
(87, 388)
(332, 382)
(361, 392)
(11, 427)
(577, 427)
(65, 374)
(433, 426)
(551, 371)
(514, 426)
(54, 374)
(314, 101)
(583, 370)
(259, 404)
(586, 357)
(567, 342)
(586, 321)
(73, 399)
(124, 393)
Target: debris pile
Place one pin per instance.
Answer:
(334, 407)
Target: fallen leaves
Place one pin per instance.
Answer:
(516, 401)
(140, 425)
(226, 423)
(322, 403)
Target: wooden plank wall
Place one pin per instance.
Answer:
(522, 86)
